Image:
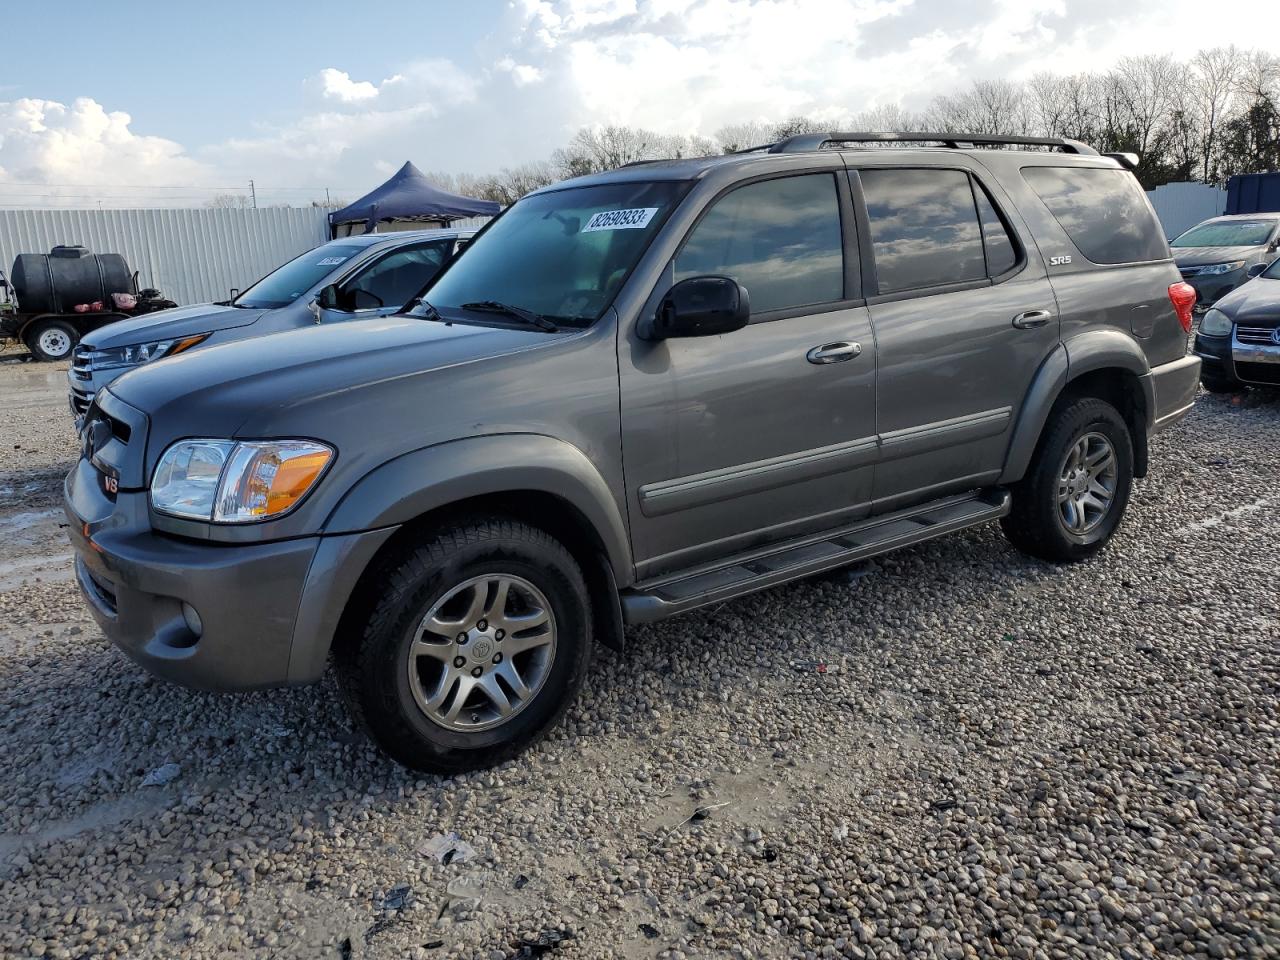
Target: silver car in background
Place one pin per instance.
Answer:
(1216, 256)
(351, 278)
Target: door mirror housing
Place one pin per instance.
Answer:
(1256, 269)
(702, 307)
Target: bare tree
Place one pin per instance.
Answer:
(742, 136)
(230, 201)
(1217, 75)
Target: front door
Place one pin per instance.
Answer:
(964, 315)
(749, 437)
(383, 286)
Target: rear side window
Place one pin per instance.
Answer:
(779, 238)
(1104, 212)
(1002, 255)
(924, 228)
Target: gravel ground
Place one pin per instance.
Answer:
(1003, 758)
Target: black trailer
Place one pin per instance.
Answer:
(52, 300)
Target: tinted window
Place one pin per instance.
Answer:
(1227, 233)
(924, 228)
(1002, 255)
(286, 284)
(1104, 212)
(779, 238)
(397, 277)
(1273, 272)
(562, 254)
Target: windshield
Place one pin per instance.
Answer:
(563, 254)
(1227, 233)
(286, 284)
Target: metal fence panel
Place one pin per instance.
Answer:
(192, 255)
(1180, 206)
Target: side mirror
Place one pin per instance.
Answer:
(327, 298)
(702, 307)
(235, 292)
(1256, 269)
(1274, 245)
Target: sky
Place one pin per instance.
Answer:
(147, 103)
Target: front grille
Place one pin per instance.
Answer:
(1266, 373)
(82, 363)
(81, 401)
(1265, 336)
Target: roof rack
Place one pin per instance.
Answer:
(805, 142)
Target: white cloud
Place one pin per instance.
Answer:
(338, 85)
(676, 66)
(50, 143)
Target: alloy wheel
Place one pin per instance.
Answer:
(1087, 484)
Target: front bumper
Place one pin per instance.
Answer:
(1211, 288)
(1231, 359)
(268, 611)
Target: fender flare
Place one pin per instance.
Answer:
(416, 483)
(1088, 351)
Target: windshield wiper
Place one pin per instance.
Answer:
(507, 310)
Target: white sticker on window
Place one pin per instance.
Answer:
(330, 261)
(635, 219)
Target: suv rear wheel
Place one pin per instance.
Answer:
(474, 648)
(1076, 489)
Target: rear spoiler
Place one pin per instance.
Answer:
(1127, 160)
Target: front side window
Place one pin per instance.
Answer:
(1272, 272)
(287, 283)
(394, 279)
(562, 254)
(1104, 212)
(779, 238)
(924, 228)
(1227, 233)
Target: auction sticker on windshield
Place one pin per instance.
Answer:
(329, 261)
(634, 219)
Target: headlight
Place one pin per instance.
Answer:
(1216, 269)
(229, 482)
(1215, 324)
(135, 353)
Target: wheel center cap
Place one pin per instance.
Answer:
(482, 649)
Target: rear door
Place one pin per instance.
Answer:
(753, 436)
(963, 315)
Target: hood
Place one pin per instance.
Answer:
(262, 380)
(1198, 256)
(164, 324)
(1256, 303)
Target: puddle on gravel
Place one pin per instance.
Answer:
(49, 568)
(25, 521)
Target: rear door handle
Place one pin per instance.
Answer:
(834, 352)
(1032, 318)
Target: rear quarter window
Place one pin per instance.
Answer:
(1104, 212)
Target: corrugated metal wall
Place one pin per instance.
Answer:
(1180, 206)
(193, 255)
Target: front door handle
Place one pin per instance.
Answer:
(834, 352)
(1031, 319)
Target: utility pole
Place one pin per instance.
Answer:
(253, 193)
(326, 198)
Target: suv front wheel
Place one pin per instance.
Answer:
(474, 646)
(1077, 486)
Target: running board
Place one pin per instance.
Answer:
(667, 596)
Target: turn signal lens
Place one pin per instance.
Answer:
(268, 478)
(1183, 297)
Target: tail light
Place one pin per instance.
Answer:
(1183, 297)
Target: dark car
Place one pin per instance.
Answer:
(1238, 340)
(638, 394)
(1216, 256)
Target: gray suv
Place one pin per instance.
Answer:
(637, 394)
(348, 279)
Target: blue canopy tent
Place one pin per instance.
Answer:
(408, 196)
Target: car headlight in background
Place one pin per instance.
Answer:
(133, 354)
(1215, 323)
(236, 482)
(1217, 269)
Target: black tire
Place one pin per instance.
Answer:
(1216, 384)
(1036, 524)
(374, 671)
(52, 340)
